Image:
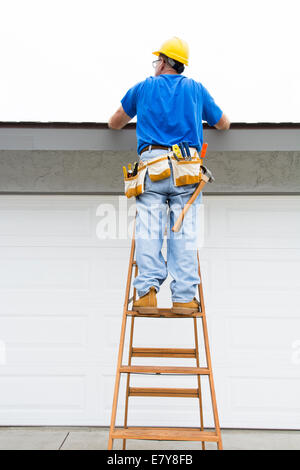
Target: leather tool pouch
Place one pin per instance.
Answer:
(186, 171)
(134, 186)
(158, 168)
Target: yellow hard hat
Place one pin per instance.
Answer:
(175, 48)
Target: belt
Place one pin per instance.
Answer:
(155, 147)
(162, 148)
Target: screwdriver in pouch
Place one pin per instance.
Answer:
(129, 174)
(135, 168)
(182, 149)
(187, 150)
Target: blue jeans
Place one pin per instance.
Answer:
(152, 218)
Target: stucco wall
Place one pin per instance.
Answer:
(86, 171)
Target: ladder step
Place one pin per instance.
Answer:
(165, 434)
(165, 313)
(165, 370)
(164, 392)
(163, 352)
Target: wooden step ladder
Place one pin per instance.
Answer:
(163, 433)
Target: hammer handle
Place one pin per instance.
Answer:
(177, 225)
(195, 194)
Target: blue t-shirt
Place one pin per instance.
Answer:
(170, 109)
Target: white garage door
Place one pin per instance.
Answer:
(62, 291)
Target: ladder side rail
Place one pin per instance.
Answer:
(121, 345)
(199, 380)
(208, 359)
(128, 379)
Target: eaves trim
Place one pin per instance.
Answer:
(98, 137)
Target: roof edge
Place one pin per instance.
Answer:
(104, 125)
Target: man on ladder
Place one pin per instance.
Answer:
(170, 108)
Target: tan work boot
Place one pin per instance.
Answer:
(186, 307)
(147, 303)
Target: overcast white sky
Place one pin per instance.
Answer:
(73, 60)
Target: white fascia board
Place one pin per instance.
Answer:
(35, 138)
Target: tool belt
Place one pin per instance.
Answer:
(184, 172)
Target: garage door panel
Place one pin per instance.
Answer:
(265, 275)
(253, 398)
(46, 220)
(33, 392)
(59, 268)
(43, 302)
(267, 394)
(251, 340)
(52, 395)
(55, 334)
(38, 398)
(44, 339)
(272, 222)
(265, 401)
(43, 273)
(252, 221)
(53, 220)
(262, 334)
(265, 279)
(66, 219)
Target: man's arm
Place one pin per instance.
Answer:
(223, 124)
(119, 119)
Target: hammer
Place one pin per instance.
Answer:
(205, 177)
